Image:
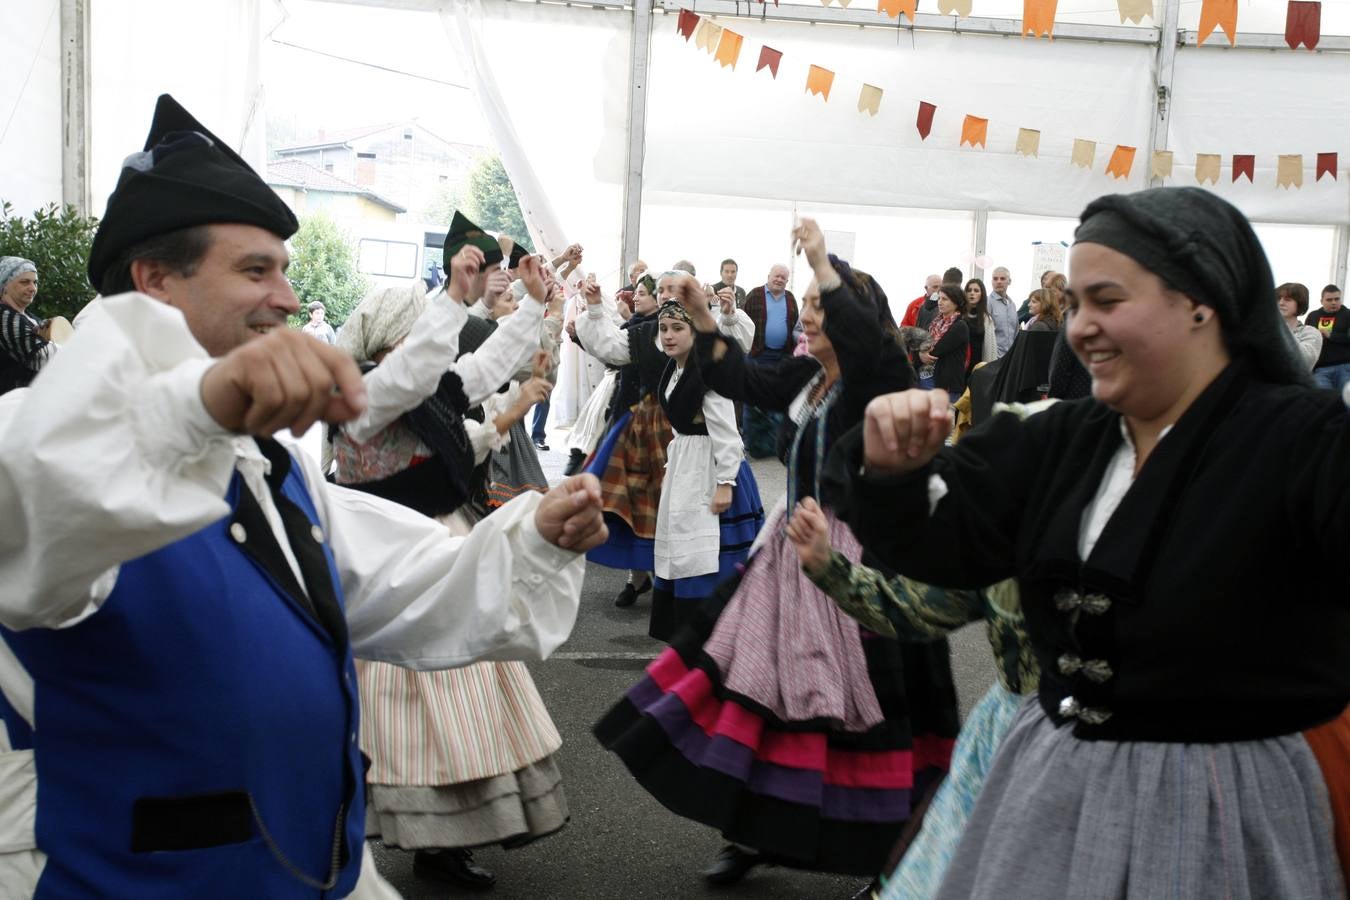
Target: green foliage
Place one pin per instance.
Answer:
(57, 240)
(323, 267)
(491, 202)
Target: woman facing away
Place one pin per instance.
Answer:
(773, 717)
(1190, 738)
(1292, 300)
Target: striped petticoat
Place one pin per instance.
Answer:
(514, 469)
(808, 793)
(675, 601)
(631, 463)
(1136, 820)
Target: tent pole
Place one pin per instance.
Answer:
(75, 105)
(1159, 131)
(1342, 260)
(981, 236)
(638, 64)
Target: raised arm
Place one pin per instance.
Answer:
(601, 337)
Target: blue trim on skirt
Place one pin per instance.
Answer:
(623, 549)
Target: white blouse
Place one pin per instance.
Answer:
(608, 343)
(719, 414)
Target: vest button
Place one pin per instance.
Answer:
(317, 533)
(238, 533)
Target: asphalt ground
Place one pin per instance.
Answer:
(621, 843)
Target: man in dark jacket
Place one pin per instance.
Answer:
(773, 309)
(1333, 320)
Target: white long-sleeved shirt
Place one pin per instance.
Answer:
(608, 343)
(719, 414)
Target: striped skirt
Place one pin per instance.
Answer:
(514, 469)
(631, 463)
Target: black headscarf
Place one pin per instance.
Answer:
(1203, 247)
(894, 363)
(185, 176)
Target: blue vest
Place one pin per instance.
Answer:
(197, 736)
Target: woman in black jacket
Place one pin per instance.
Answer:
(944, 366)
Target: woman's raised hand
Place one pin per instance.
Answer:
(694, 298)
(807, 238)
(902, 432)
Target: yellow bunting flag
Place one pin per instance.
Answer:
(894, 8)
(975, 131)
(1162, 164)
(1083, 153)
(1038, 17)
(1122, 161)
(1028, 142)
(1134, 10)
(729, 48)
(1218, 14)
(1289, 170)
(819, 81)
(1207, 167)
(959, 8)
(845, 3)
(708, 36)
(869, 101)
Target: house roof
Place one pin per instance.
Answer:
(296, 173)
(348, 135)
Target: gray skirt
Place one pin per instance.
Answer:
(1100, 820)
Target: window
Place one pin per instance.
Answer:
(443, 179)
(395, 259)
(328, 167)
(365, 156)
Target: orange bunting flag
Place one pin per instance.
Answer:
(975, 131)
(894, 8)
(1303, 24)
(1218, 14)
(688, 22)
(1122, 160)
(1289, 170)
(1038, 17)
(925, 120)
(1207, 168)
(1084, 152)
(1162, 164)
(1244, 164)
(1028, 142)
(819, 81)
(869, 101)
(729, 48)
(959, 8)
(708, 36)
(1134, 10)
(769, 58)
(1326, 165)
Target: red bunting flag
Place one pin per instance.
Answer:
(771, 58)
(1326, 165)
(925, 121)
(687, 24)
(1303, 24)
(1244, 164)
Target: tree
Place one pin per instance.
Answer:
(491, 201)
(57, 240)
(323, 267)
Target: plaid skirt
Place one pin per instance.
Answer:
(631, 464)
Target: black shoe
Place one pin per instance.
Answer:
(731, 865)
(540, 445)
(628, 596)
(453, 867)
(575, 460)
(869, 891)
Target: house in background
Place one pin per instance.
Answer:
(306, 190)
(404, 162)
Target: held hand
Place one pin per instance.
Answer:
(721, 499)
(573, 254)
(44, 330)
(541, 364)
(591, 290)
(809, 532)
(625, 312)
(556, 299)
(807, 238)
(694, 298)
(284, 380)
(571, 515)
(727, 297)
(536, 390)
(532, 275)
(927, 358)
(498, 283)
(903, 432)
(464, 265)
(571, 330)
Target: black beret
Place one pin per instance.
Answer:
(186, 176)
(462, 232)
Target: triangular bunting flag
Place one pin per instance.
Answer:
(869, 101)
(819, 81)
(925, 120)
(1038, 17)
(769, 58)
(1084, 152)
(1244, 164)
(1289, 170)
(1028, 142)
(1162, 164)
(687, 24)
(1326, 165)
(1122, 160)
(729, 48)
(975, 131)
(959, 8)
(1134, 10)
(708, 36)
(1207, 168)
(894, 8)
(1218, 14)
(1303, 24)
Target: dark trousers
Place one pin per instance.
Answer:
(760, 427)
(540, 420)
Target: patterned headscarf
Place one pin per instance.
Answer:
(382, 319)
(12, 267)
(672, 309)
